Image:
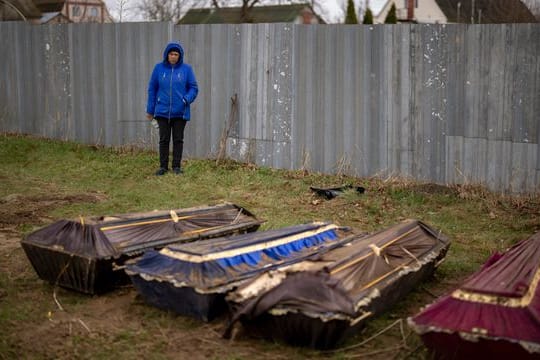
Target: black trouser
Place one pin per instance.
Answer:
(175, 126)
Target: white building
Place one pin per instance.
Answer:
(419, 11)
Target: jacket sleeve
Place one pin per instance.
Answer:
(153, 85)
(192, 87)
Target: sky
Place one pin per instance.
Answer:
(332, 11)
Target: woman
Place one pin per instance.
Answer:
(172, 88)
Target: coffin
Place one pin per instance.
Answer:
(193, 279)
(319, 302)
(87, 254)
(494, 314)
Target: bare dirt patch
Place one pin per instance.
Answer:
(17, 210)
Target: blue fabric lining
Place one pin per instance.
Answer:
(222, 271)
(279, 252)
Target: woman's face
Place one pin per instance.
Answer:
(173, 57)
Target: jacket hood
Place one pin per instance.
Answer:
(171, 46)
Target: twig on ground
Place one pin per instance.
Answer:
(411, 353)
(56, 300)
(370, 353)
(84, 325)
(403, 337)
(209, 341)
(429, 293)
(367, 340)
(60, 307)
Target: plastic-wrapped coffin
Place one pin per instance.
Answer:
(494, 314)
(85, 254)
(319, 302)
(193, 279)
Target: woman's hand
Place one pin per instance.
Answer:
(149, 116)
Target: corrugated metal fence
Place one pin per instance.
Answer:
(439, 103)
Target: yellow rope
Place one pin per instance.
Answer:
(203, 229)
(106, 228)
(113, 227)
(382, 277)
(356, 261)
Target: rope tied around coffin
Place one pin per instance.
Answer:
(237, 216)
(411, 255)
(377, 250)
(174, 216)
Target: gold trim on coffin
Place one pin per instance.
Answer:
(247, 249)
(523, 301)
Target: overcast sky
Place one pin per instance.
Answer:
(330, 10)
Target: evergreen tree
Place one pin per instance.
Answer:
(368, 17)
(391, 18)
(351, 14)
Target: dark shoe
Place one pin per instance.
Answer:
(161, 171)
(177, 171)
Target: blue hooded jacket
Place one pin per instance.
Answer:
(172, 88)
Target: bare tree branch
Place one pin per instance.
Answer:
(159, 10)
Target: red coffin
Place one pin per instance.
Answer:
(495, 314)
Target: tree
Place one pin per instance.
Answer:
(163, 10)
(351, 14)
(121, 9)
(247, 5)
(368, 17)
(391, 18)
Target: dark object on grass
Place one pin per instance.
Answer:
(494, 314)
(330, 193)
(193, 279)
(86, 254)
(321, 301)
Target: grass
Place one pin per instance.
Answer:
(44, 180)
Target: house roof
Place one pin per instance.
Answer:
(493, 11)
(13, 10)
(377, 6)
(57, 16)
(257, 14)
(48, 16)
(30, 9)
(49, 5)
